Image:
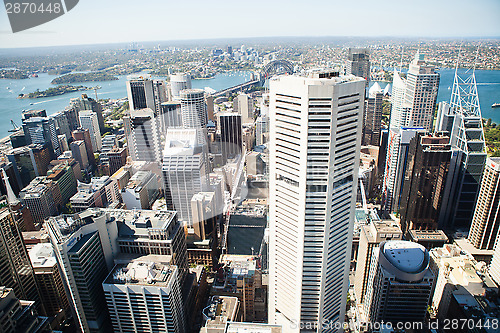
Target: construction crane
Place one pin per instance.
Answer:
(15, 127)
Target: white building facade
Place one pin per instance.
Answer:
(315, 137)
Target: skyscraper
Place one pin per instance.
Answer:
(184, 170)
(358, 62)
(314, 156)
(144, 295)
(16, 271)
(373, 116)
(170, 115)
(86, 103)
(395, 166)
(413, 104)
(84, 246)
(485, 229)
(88, 120)
(370, 236)
(179, 82)
(463, 116)
(142, 133)
(399, 274)
(145, 93)
(82, 134)
(424, 181)
(193, 108)
(42, 130)
(494, 268)
(230, 135)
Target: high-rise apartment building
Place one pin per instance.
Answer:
(145, 296)
(399, 274)
(315, 138)
(179, 82)
(424, 181)
(358, 62)
(230, 135)
(146, 93)
(89, 121)
(373, 116)
(184, 170)
(485, 229)
(85, 245)
(142, 132)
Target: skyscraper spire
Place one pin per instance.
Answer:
(11, 196)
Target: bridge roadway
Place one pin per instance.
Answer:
(235, 88)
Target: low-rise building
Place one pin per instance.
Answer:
(101, 192)
(142, 190)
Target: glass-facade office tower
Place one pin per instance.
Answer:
(315, 138)
(146, 93)
(424, 181)
(462, 118)
(142, 132)
(358, 62)
(230, 136)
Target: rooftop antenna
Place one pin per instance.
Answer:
(401, 61)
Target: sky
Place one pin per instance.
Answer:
(113, 21)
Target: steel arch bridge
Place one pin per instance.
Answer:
(277, 67)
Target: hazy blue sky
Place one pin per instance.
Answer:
(105, 21)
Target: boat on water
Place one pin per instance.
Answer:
(495, 105)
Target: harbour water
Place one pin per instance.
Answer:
(488, 87)
(488, 84)
(11, 107)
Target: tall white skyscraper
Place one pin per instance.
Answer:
(142, 132)
(193, 108)
(179, 82)
(315, 138)
(184, 170)
(88, 120)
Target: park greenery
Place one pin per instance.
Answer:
(492, 137)
(84, 77)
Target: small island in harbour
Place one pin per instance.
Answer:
(84, 77)
(60, 90)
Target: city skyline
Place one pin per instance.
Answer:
(110, 23)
